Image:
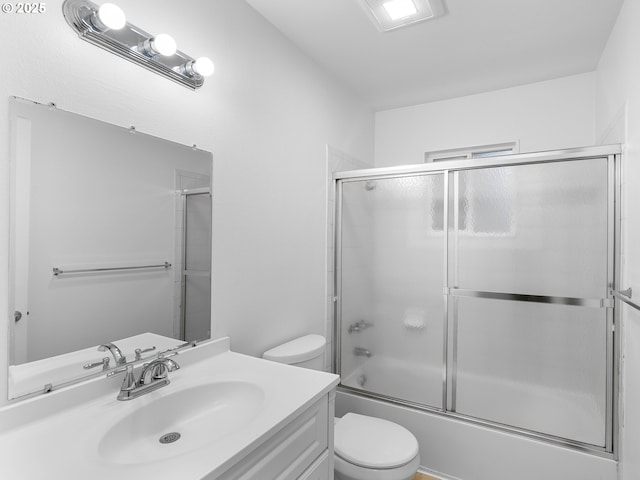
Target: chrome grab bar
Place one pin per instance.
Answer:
(60, 271)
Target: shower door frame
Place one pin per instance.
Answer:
(612, 154)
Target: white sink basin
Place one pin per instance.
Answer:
(224, 405)
(200, 414)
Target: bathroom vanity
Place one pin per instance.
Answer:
(223, 416)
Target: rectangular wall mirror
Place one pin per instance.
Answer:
(110, 241)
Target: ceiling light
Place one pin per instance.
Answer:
(398, 9)
(391, 14)
(106, 27)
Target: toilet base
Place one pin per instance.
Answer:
(348, 471)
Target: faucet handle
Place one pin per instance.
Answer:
(158, 369)
(163, 367)
(129, 380)
(167, 354)
(139, 352)
(118, 370)
(104, 362)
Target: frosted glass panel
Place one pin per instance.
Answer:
(197, 308)
(534, 366)
(196, 300)
(198, 232)
(392, 307)
(525, 356)
(533, 229)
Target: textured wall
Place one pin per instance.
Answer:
(266, 114)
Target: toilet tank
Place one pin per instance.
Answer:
(307, 352)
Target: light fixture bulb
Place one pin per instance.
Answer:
(398, 9)
(163, 44)
(203, 66)
(111, 16)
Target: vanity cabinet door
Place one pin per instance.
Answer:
(290, 452)
(319, 470)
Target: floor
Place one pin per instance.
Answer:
(422, 476)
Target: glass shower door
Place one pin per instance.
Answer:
(530, 278)
(390, 278)
(196, 274)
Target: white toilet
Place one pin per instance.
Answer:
(366, 448)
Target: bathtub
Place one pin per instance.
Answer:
(452, 448)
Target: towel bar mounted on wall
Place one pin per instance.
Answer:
(625, 296)
(57, 271)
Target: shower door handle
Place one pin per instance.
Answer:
(17, 315)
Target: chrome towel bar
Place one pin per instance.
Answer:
(57, 271)
(625, 296)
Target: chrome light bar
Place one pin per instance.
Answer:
(134, 44)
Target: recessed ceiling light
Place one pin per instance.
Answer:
(398, 9)
(391, 14)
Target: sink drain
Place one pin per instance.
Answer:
(170, 437)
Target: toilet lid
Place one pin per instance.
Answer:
(373, 442)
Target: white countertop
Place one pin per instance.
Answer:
(57, 435)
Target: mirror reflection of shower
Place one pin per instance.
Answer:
(195, 272)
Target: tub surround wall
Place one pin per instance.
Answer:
(550, 115)
(266, 114)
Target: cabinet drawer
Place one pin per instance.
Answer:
(289, 452)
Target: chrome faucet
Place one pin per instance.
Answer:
(152, 376)
(115, 351)
(361, 352)
(359, 326)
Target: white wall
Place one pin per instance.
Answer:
(618, 114)
(548, 115)
(266, 114)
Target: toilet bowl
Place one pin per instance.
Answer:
(370, 448)
(366, 448)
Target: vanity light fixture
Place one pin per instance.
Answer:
(392, 14)
(106, 26)
(161, 44)
(108, 16)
